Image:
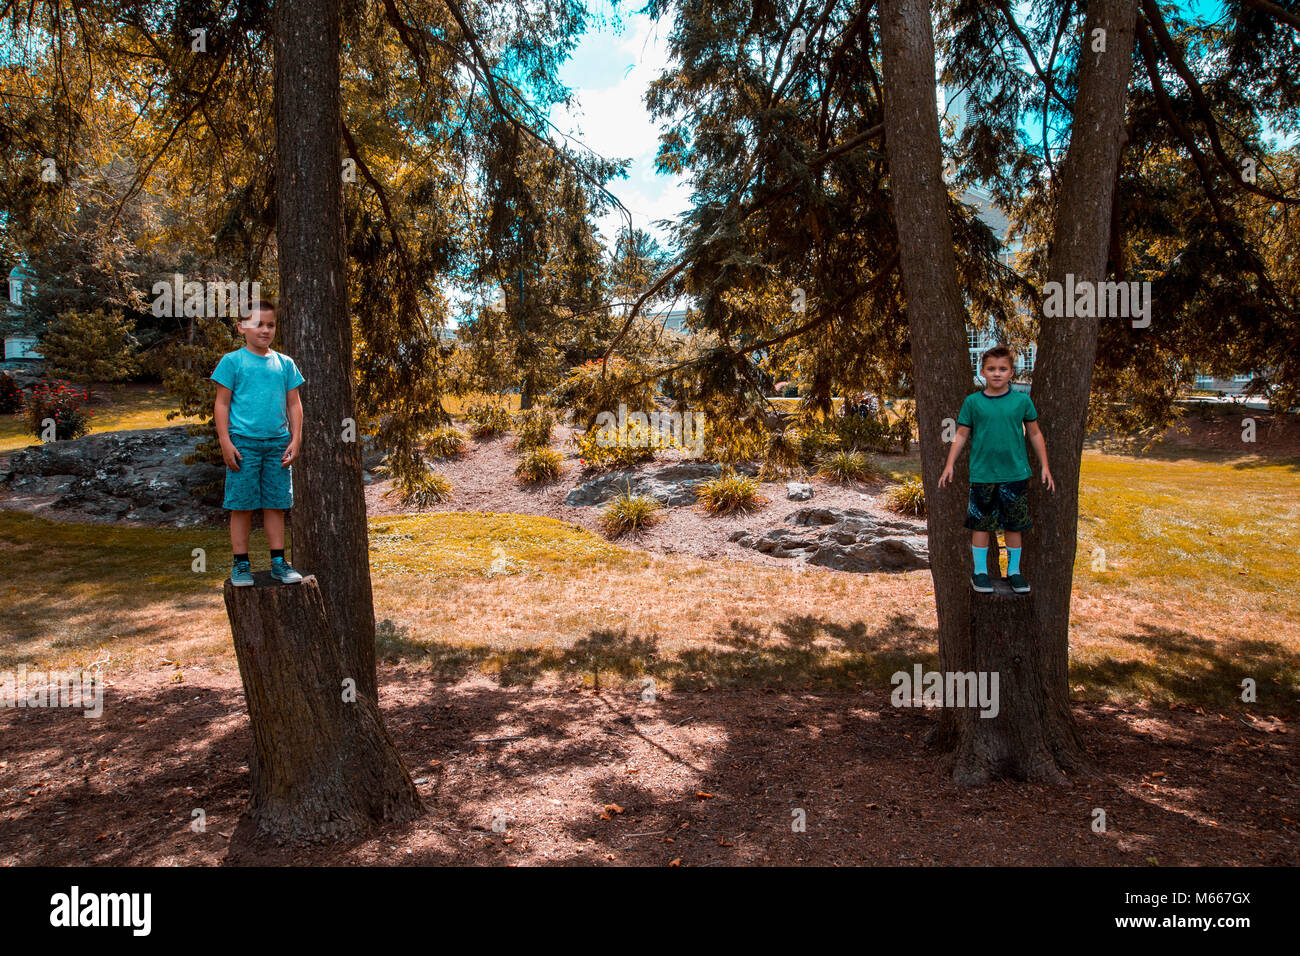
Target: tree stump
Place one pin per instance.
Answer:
(1011, 743)
(323, 766)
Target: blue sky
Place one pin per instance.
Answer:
(610, 71)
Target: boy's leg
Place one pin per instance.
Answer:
(273, 522)
(1013, 512)
(981, 519)
(241, 527)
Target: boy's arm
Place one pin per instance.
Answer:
(293, 407)
(221, 417)
(958, 443)
(1040, 449)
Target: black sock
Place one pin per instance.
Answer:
(241, 557)
(277, 553)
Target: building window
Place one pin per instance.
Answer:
(1204, 381)
(1242, 378)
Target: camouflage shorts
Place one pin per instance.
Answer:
(999, 505)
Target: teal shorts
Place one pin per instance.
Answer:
(261, 482)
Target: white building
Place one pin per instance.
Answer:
(19, 347)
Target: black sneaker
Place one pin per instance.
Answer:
(1018, 583)
(981, 584)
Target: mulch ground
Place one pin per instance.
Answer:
(569, 774)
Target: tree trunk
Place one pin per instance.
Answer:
(330, 536)
(323, 767)
(1007, 741)
(935, 313)
(1067, 347)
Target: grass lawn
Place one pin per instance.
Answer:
(116, 408)
(1196, 592)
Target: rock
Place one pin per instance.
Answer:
(673, 485)
(798, 490)
(844, 540)
(137, 475)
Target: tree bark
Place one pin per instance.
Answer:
(323, 767)
(1010, 743)
(330, 535)
(935, 313)
(1067, 347)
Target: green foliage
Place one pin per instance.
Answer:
(11, 396)
(783, 451)
(729, 492)
(538, 465)
(185, 367)
(603, 449)
(589, 392)
(907, 497)
(816, 440)
(488, 418)
(844, 466)
(446, 442)
(533, 428)
(731, 441)
(87, 347)
(63, 403)
(629, 513)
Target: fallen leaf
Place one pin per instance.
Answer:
(703, 796)
(613, 808)
(676, 862)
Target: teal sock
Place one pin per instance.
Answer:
(981, 556)
(1013, 561)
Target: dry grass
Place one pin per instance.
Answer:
(1169, 619)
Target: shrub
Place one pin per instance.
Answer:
(843, 466)
(539, 464)
(908, 497)
(64, 404)
(97, 346)
(730, 442)
(860, 432)
(629, 513)
(729, 492)
(428, 489)
(446, 442)
(782, 451)
(815, 442)
(488, 419)
(11, 396)
(591, 389)
(638, 446)
(533, 428)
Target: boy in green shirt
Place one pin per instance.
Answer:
(999, 466)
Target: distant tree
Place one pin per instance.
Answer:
(88, 347)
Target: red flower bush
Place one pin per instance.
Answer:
(62, 403)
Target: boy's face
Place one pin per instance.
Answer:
(259, 328)
(997, 372)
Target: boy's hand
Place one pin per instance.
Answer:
(230, 454)
(290, 454)
(1047, 479)
(946, 476)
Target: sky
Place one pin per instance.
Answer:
(610, 71)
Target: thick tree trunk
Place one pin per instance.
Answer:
(936, 316)
(329, 525)
(323, 767)
(1007, 741)
(1067, 347)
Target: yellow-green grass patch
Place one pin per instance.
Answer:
(128, 408)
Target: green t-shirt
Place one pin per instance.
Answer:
(997, 441)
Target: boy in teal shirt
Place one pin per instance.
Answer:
(999, 466)
(259, 423)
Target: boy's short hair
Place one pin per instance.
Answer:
(264, 304)
(998, 351)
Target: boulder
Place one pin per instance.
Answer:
(673, 485)
(843, 540)
(138, 475)
(798, 490)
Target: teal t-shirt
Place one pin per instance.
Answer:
(260, 385)
(997, 441)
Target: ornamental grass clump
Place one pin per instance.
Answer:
(729, 492)
(629, 513)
